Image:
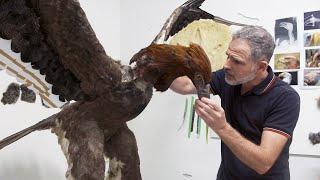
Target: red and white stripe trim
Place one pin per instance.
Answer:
(214, 93)
(270, 84)
(277, 131)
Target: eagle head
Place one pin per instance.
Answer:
(161, 64)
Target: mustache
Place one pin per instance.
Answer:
(227, 72)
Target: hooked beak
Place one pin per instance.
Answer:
(203, 89)
(204, 92)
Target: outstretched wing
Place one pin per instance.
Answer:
(184, 15)
(188, 24)
(53, 38)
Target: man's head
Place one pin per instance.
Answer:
(248, 54)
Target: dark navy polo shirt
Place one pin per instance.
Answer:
(273, 106)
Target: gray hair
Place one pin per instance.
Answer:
(260, 41)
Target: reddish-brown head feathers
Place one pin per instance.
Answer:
(201, 60)
(160, 64)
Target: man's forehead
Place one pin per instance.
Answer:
(239, 47)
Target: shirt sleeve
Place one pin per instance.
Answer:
(215, 84)
(283, 117)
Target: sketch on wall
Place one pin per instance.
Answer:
(311, 38)
(290, 77)
(286, 32)
(287, 61)
(311, 77)
(311, 62)
(312, 58)
(312, 20)
(213, 37)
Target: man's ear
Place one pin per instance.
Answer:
(262, 65)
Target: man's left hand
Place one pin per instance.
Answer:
(211, 113)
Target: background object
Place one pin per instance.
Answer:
(312, 39)
(287, 61)
(312, 20)
(27, 95)
(286, 32)
(12, 94)
(213, 37)
(290, 77)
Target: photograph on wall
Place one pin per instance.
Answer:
(311, 77)
(311, 38)
(287, 61)
(286, 32)
(289, 77)
(312, 20)
(312, 58)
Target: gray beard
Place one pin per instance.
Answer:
(244, 79)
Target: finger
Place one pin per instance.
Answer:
(211, 104)
(201, 112)
(202, 107)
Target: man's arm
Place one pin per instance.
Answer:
(258, 157)
(183, 85)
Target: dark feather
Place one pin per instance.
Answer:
(190, 12)
(44, 124)
(184, 15)
(50, 36)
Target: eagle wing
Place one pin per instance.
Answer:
(50, 46)
(182, 16)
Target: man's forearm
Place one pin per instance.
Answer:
(254, 156)
(183, 85)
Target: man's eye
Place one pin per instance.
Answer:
(236, 61)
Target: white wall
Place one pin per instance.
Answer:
(165, 152)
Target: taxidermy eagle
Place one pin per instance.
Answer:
(55, 39)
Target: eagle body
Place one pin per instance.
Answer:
(100, 124)
(55, 38)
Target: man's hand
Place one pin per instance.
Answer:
(258, 157)
(211, 113)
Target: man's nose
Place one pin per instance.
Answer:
(226, 64)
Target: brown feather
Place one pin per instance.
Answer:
(153, 66)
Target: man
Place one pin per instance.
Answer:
(258, 111)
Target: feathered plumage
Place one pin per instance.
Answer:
(152, 64)
(56, 39)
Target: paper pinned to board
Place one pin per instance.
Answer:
(213, 37)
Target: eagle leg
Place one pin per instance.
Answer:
(122, 151)
(82, 143)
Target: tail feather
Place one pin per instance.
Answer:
(42, 125)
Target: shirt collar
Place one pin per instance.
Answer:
(266, 84)
(263, 87)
